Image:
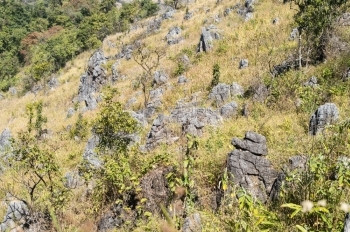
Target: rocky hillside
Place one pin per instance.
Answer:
(204, 115)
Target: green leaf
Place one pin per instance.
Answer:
(300, 228)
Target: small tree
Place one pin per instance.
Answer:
(148, 59)
(216, 77)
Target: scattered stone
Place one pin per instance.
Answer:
(159, 133)
(154, 25)
(169, 13)
(260, 92)
(245, 111)
(90, 156)
(312, 82)
(346, 76)
(251, 170)
(188, 15)
(182, 79)
(70, 112)
(344, 20)
(243, 63)
(115, 73)
(73, 180)
(275, 21)
(139, 117)
(174, 36)
(160, 78)
(294, 34)
(229, 110)
(246, 11)
(227, 12)
(5, 140)
(192, 223)
(17, 216)
(285, 66)
(325, 115)
(206, 40)
(347, 223)
(155, 189)
(222, 92)
(114, 218)
(13, 91)
(92, 81)
(126, 52)
(185, 61)
(53, 83)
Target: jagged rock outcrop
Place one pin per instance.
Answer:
(53, 83)
(194, 119)
(114, 218)
(126, 52)
(312, 82)
(73, 180)
(347, 223)
(154, 25)
(92, 80)
(229, 110)
(246, 11)
(188, 15)
(250, 169)
(174, 36)
(154, 102)
(160, 78)
(155, 189)
(222, 92)
(16, 217)
(169, 13)
(159, 133)
(115, 73)
(90, 156)
(208, 35)
(259, 92)
(243, 63)
(325, 115)
(294, 34)
(192, 223)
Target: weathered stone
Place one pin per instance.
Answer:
(185, 61)
(126, 52)
(222, 92)
(182, 79)
(344, 19)
(70, 112)
(13, 90)
(90, 156)
(139, 117)
(160, 77)
(53, 83)
(260, 92)
(243, 63)
(346, 75)
(294, 34)
(312, 82)
(5, 140)
(169, 13)
(114, 218)
(17, 216)
(159, 133)
(208, 35)
(115, 73)
(192, 223)
(188, 15)
(275, 21)
(253, 142)
(246, 11)
(347, 223)
(227, 11)
(229, 109)
(73, 180)
(155, 189)
(92, 81)
(154, 25)
(325, 115)
(174, 36)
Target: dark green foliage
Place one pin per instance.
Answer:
(315, 19)
(216, 77)
(36, 119)
(85, 25)
(80, 128)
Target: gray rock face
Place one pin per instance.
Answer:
(347, 221)
(260, 92)
(160, 78)
(70, 112)
(154, 25)
(155, 189)
(169, 13)
(73, 180)
(312, 82)
(139, 117)
(53, 83)
(13, 91)
(227, 12)
(182, 79)
(155, 101)
(243, 63)
(185, 61)
(90, 156)
(92, 81)
(294, 34)
(222, 92)
(126, 52)
(174, 36)
(253, 142)
(16, 217)
(208, 35)
(5, 140)
(250, 171)
(325, 115)
(159, 133)
(188, 15)
(192, 223)
(275, 21)
(115, 73)
(285, 66)
(194, 119)
(229, 110)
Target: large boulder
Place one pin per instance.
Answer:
(174, 36)
(249, 168)
(223, 92)
(325, 115)
(92, 80)
(159, 133)
(229, 109)
(207, 37)
(17, 216)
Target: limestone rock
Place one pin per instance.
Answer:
(16, 217)
(154, 25)
(325, 115)
(114, 218)
(126, 52)
(159, 133)
(222, 92)
(169, 13)
(92, 81)
(192, 223)
(243, 63)
(90, 156)
(73, 180)
(250, 171)
(229, 109)
(207, 37)
(174, 36)
(312, 82)
(294, 34)
(182, 79)
(53, 83)
(160, 77)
